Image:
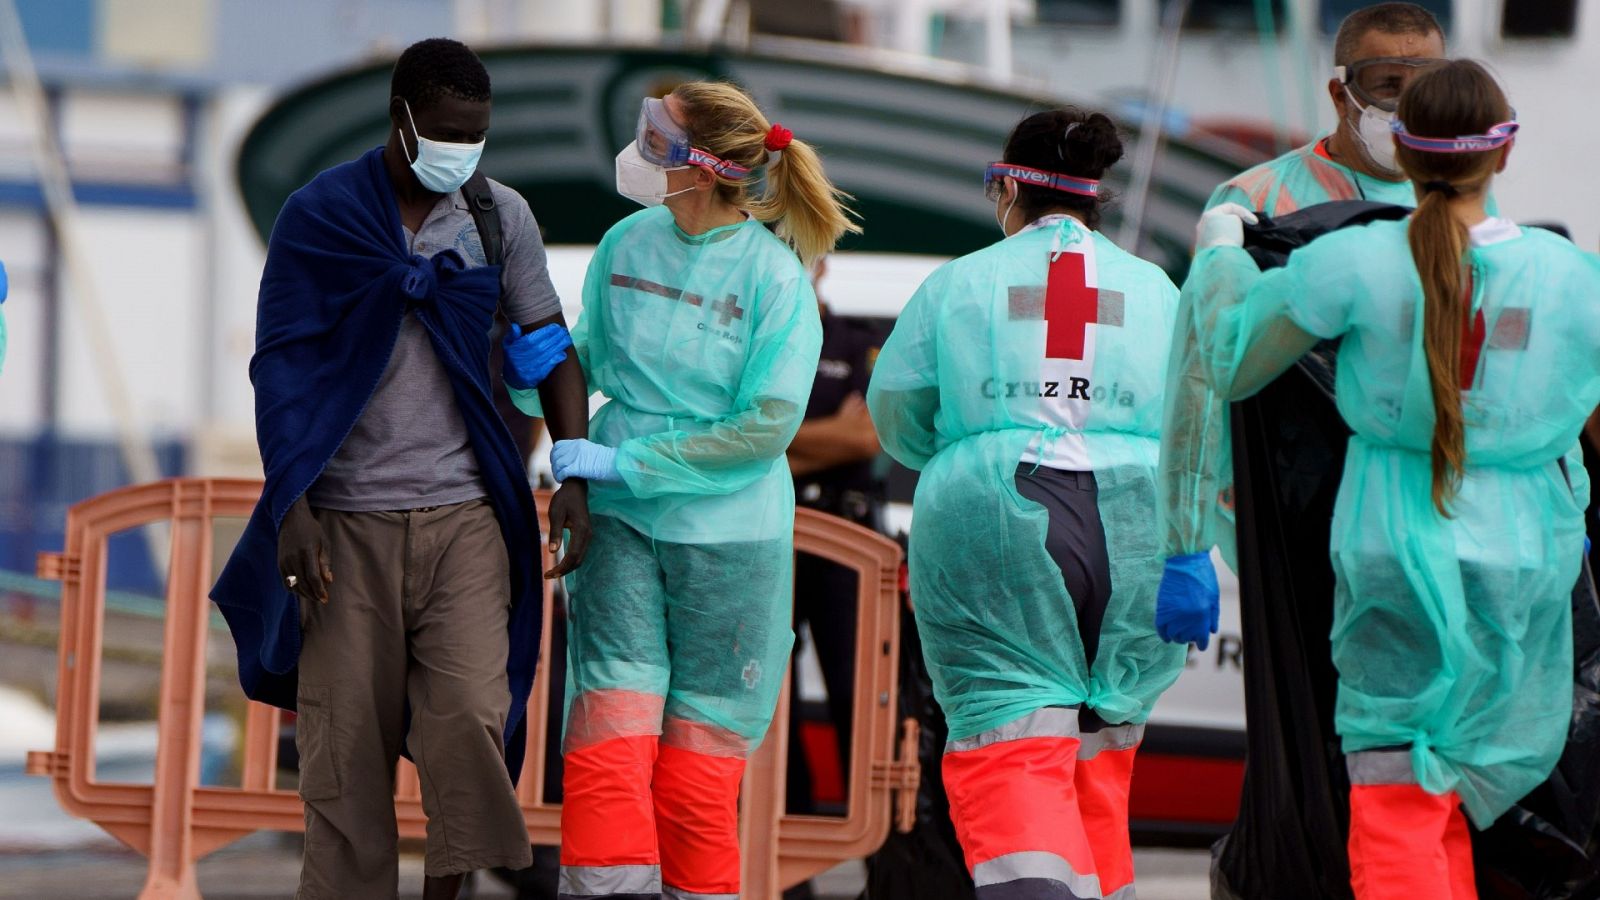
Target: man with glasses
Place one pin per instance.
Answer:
(1375, 54)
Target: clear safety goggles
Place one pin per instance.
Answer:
(665, 143)
(994, 180)
(1378, 81)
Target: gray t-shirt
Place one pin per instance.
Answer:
(410, 448)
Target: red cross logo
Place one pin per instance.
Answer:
(1068, 306)
(727, 309)
(1510, 333)
(1511, 328)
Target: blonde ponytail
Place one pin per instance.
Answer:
(807, 211)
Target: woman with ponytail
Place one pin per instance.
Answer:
(1467, 368)
(1025, 381)
(700, 326)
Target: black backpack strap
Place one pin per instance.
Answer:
(480, 202)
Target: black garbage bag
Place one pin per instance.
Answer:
(1289, 839)
(1288, 455)
(924, 863)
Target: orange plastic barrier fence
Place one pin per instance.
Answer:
(175, 821)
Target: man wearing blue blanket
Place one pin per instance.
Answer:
(386, 585)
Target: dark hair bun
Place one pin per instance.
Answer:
(1090, 147)
(1066, 141)
(1069, 141)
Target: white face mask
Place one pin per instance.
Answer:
(442, 168)
(642, 181)
(1377, 140)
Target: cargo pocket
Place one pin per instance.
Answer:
(313, 738)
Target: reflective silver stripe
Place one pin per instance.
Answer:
(672, 893)
(1112, 737)
(1052, 721)
(1511, 329)
(1374, 767)
(1110, 307)
(599, 881)
(1036, 864)
(1123, 893)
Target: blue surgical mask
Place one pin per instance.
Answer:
(442, 168)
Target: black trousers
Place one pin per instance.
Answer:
(1076, 540)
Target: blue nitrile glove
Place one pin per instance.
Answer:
(531, 357)
(581, 458)
(1186, 603)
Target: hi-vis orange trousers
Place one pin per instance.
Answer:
(676, 656)
(1041, 807)
(1405, 842)
(645, 816)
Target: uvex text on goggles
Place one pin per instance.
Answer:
(1378, 81)
(665, 143)
(1496, 137)
(997, 171)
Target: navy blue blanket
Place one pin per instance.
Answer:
(338, 280)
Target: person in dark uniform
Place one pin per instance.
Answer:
(832, 461)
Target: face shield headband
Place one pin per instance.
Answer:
(726, 168)
(665, 143)
(1495, 138)
(997, 171)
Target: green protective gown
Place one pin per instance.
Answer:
(1195, 482)
(706, 347)
(984, 368)
(1451, 635)
(1304, 177)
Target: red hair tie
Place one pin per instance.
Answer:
(778, 138)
